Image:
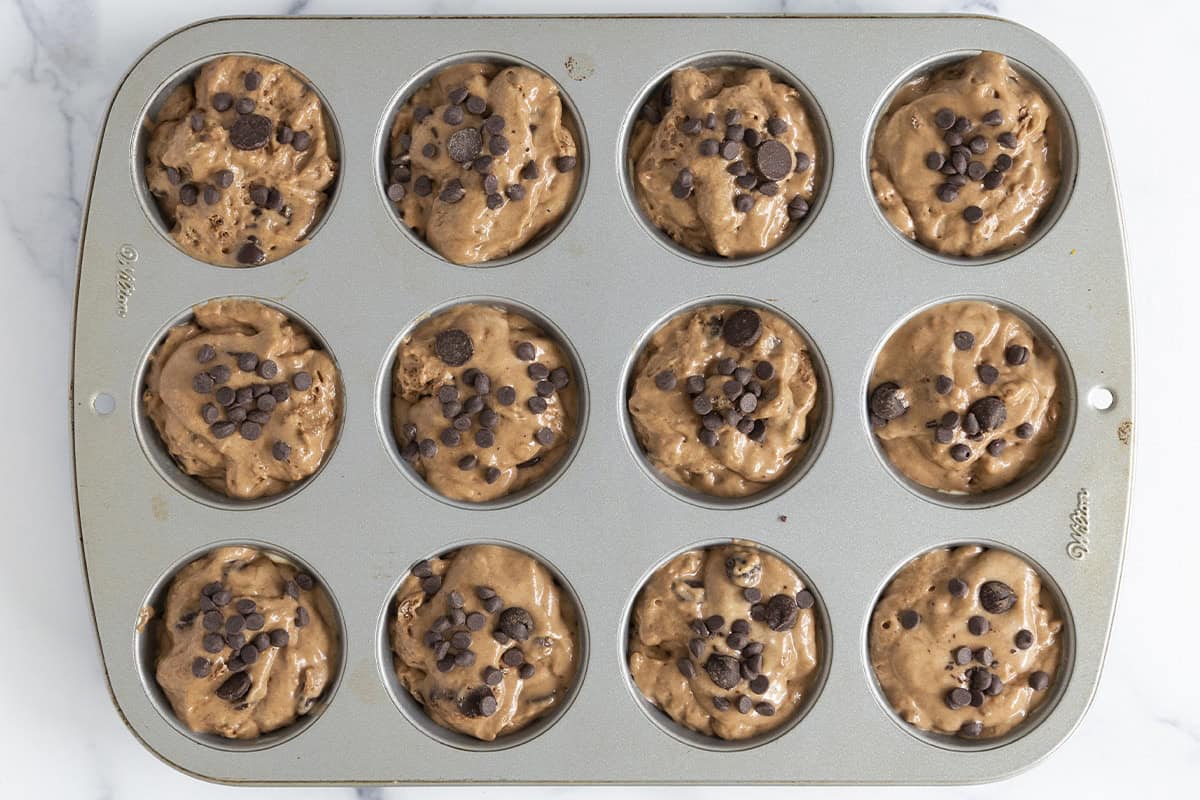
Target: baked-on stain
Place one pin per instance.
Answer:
(697, 585)
(285, 682)
(667, 427)
(216, 232)
(923, 349)
(911, 665)
(308, 421)
(537, 130)
(553, 647)
(906, 188)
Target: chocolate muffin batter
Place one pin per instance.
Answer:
(724, 399)
(724, 160)
(484, 402)
(966, 159)
(240, 161)
(242, 399)
(482, 160)
(963, 642)
(485, 639)
(724, 641)
(246, 644)
(965, 398)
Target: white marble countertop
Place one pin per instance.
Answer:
(59, 63)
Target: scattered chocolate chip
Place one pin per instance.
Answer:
(245, 106)
(742, 328)
(943, 384)
(972, 214)
(888, 402)
(235, 687)
(723, 670)
(250, 132)
(978, 625)
(565, 163)
(909, 619)
(1024, 639)
(997, 597)
(1039, 680)
(1007, 139)
(989, 411)
(988, 374)
(960, 452)
(782, 613)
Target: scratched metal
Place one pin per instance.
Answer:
(604, 280)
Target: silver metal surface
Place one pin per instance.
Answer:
(603, 280)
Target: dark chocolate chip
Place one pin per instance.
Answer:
(235, 687)
(1024, 639)
(723, 670)
(742, 328)
(997, 597)
(978, 625)
(964, 340)
(1039, 680)
(989, 412)
(454, 347)
(909, 619)
(250, 132)
(782, 613)
(888, 402)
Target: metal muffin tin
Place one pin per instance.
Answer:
(603, 523)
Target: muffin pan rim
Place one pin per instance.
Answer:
(412, 710)
(145, 650)
(1068, 397)
(139, 140)
(419, 80)
(384, 394)
(102, 348)
(794, 473)
(159, 456)
(1068, 157)
(824, 157)
(701, 741)
(1063, 672)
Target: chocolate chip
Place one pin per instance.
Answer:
(988, 374)
(723, 670)
(774, 160)
(989, 411)
(781, 613)
(431, 584)
(235, 687)
(454, 347)
(742, 328)
(964, 340)
(1016, 354)
(995, 447)
(960, 453)
(1039, 680)
(972, 214)
(976, 170)
(943, 384)
(452, 191)
(971, 729)
(244, 106)
(1024, 639)
(888, 402)
(945, 119)
(464, 145)
(997, 597)
(516, 623)
(1007, 139)
(963, 655)
(958, 588)
(250, 132)
(278, 637)
(686, 668)
(993, 180)
(565, 163)
(978, 625)
(743, 203)
(250, 253)
(909, 619)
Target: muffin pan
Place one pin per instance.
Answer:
(604, 281)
